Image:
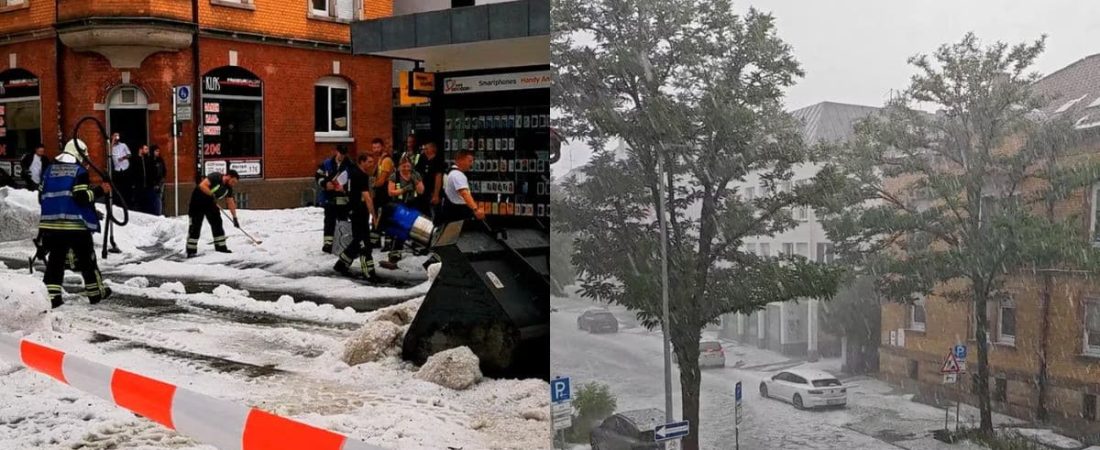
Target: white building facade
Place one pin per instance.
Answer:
(794, 328)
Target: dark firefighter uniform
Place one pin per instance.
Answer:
(67, 223)
(359, 183)
(335, 203)
(206, 207)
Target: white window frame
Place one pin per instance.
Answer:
(327, 12)
(788, 248)
(913, 324)
(1093, 237)
(1092, 350)
(1003, 338)
(13, 3)
(334, 83)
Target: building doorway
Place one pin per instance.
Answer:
(128, 115)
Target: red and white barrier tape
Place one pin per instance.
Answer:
(224, 425)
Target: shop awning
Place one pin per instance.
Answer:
(508, 34)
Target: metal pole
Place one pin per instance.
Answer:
(175, 154)
(665, 324)
(736, 437)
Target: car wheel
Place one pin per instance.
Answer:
(797, 401)
(763, 390)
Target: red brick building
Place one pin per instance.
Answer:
(273, 83)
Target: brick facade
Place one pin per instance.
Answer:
(1015, 364)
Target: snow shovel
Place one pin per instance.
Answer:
(254, 240)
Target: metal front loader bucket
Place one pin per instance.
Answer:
(491, 295)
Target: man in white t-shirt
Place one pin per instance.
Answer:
(120, 159)
(458, 203)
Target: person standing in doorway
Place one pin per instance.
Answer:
(33, 166)
(120, 168)
(158, 173)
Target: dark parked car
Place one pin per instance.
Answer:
(598, 321)
(629, 430)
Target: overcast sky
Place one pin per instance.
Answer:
(855, 51)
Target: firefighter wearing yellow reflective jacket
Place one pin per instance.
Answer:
(67, 222)
(204, 205)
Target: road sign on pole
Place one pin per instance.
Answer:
(960, 352)
(674, 430)
(560, 390)
(563, 415)
(182, 97)
(950, 365)
(737, 400)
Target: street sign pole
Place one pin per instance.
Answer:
(665, 324)
(737, 416)
(175, 152)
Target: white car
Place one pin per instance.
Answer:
(805, 388)
(711, 354)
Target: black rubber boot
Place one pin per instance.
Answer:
(223, 250)
(96, 299)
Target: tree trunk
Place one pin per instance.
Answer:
(981, 333)
(1044, 331)
(687, 350)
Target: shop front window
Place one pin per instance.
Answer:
(232, 112)
(20, 115)
(331, 108)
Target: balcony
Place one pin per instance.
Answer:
(501, 34)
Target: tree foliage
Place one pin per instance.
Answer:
(694, 87)
(948, 203)
(594, 402)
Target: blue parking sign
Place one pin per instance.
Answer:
(960, 352)
(737, 392)
(560, 391)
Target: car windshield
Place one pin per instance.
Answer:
(603, 316)
(827, 382)
(710, 346)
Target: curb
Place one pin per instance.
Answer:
(209, 420)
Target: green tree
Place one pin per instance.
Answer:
(561, 249)
(691, 85)
(948, 201)
(855, 314)
(594, 402)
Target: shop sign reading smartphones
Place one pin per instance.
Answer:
(497, 82)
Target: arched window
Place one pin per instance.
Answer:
(332, 108)
(20, 114)
(232, 121)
